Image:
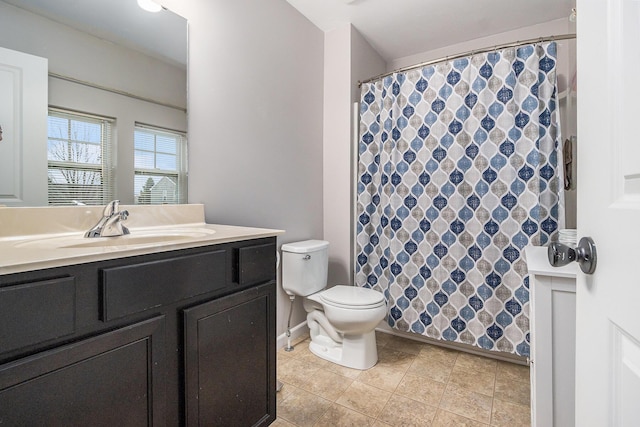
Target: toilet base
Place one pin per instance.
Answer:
(355, 351)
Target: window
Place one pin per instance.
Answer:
(160, 166)
(79, 158)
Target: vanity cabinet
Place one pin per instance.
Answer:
(183, 337)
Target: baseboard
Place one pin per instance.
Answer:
(506, 357)
(297, 332)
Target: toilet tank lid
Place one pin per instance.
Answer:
(305, 246)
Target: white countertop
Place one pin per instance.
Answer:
(538, 263)
(39, 238)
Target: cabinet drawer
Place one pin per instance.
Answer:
(134, 288)
(256, 264)
(36, 312)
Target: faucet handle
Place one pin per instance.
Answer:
(124, 214)
(111, 208)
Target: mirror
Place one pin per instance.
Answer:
(107, 58)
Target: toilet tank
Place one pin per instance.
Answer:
(304, 267)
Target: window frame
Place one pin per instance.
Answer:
(181, 172)
(105, 168)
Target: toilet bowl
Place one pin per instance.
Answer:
(354, 319)
(341, 319)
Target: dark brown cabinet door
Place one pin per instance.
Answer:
(230, 360)
(114, 379)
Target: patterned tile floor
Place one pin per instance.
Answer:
(413, 384)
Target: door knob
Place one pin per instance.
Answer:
(584, 254)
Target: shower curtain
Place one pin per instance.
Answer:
(458, 170)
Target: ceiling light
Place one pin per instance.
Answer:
(149, 5)
(573, 15)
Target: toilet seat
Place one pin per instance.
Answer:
(352, 297)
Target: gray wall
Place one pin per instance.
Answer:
(85, 57)
(348, 58)
(365, 63)
(255, 117)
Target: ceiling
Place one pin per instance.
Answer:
(162, 35)
(399, 28)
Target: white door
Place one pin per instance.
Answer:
(608, 302)
(23, 118)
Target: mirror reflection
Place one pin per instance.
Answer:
(114, 122)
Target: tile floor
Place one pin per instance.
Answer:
(413, 384)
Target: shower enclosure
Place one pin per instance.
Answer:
(459, 168)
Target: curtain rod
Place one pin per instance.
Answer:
(116, 91)
(470, 53)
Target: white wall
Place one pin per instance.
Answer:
(79, 55)
(255, 118)
(558, 26)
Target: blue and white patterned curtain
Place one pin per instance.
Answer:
(458, 171)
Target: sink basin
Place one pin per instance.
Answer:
(136, 238)
(129, 240)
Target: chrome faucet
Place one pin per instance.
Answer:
(110, 224)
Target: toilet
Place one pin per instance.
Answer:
(341, 319)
